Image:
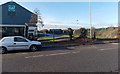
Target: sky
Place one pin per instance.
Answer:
(104, 14)
(66, 14)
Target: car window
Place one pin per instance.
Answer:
(17, 39)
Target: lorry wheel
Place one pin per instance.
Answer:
(33, 48)
(4, 50)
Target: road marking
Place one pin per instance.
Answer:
(58, 54)
(101, 49)
(76, 52)
(71, 47)
(115, 43)
(19, 53)
(107, 49)
(34, 56)
(22, 53)
(38, 56)
(52, 54)
(94, 46)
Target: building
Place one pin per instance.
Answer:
(15, 19)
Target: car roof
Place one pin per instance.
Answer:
(12, 36)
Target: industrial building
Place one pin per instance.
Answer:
(16, 20)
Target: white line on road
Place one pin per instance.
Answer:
(58, 54)
(107, 49)
(101, 49)
(52, 54)
(34, 56)
(115, 43)
(76, 52)
(21, 53)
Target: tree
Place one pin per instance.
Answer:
(37, 18)
(94, 36)
(34, 18)
(83, 33)
(93, 32)
(70, 31)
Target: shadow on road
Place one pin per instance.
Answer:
(41, 50)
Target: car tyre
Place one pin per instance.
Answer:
(4, 50)
(33, 48)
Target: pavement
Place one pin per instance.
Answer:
(82, 58)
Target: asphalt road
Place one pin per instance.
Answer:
(83, 58)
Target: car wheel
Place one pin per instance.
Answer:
(4, 50)
(33, 48)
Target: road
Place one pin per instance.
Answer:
(83, 58)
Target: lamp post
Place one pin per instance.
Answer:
(90, 19)
(77, 22)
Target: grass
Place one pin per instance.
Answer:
(76, 35)
(50, 40)
(42, 35)
(56, 38)
(61, 38)
(99, 37)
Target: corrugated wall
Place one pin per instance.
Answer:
(19, 17)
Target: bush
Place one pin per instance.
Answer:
(83, 33)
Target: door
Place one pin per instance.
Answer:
(20, 43)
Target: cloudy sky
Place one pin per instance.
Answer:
(66, 14)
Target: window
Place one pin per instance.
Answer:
(31, 30)
(17, 39)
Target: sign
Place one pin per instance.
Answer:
(11, 8)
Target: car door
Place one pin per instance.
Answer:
(20, 43)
